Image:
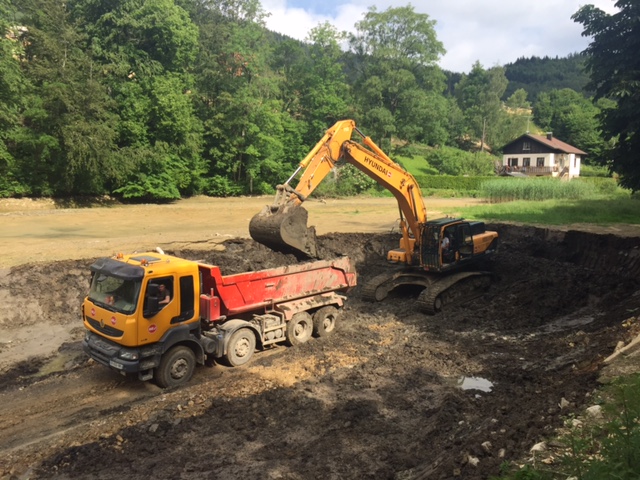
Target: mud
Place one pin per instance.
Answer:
(392, 394)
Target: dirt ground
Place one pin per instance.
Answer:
(392, 394)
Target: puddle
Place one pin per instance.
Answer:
(475, 383)
(58, 363)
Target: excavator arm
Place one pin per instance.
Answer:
(282, 225)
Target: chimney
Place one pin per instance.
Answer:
(549, 135)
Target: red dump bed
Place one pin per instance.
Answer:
(251, 291)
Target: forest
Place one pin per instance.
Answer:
(154, 100)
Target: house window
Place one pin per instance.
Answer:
(575, 162)
(540, 162)
(526, 146)
(526, 162)
(512, 162)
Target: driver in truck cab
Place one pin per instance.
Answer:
(163, 295)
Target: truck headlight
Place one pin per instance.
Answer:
(128, 355)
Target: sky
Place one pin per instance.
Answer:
(492, 32)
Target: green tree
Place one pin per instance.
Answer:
(613, 65)
(246, 130)
(572, 118)
(68, 144)
(518, 116)
(148, 49)
(536, 75)
(479, 96)
(395, 56)
(13, 88)
(325, 94)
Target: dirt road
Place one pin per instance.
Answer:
(35, 231)
(392, 394)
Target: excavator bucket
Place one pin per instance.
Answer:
(284, 228)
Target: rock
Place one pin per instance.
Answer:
(595, 412)
(539, 447)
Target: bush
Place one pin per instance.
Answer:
(594, 171)
(603, 185)
(462, 185)
(218, 186)
(150, 188)
(453, 161)
(345, 181)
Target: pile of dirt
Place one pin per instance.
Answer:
(392, 394)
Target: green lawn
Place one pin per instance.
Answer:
(559, 212)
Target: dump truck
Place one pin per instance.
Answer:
(208, 316)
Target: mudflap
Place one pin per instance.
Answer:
(283, 228)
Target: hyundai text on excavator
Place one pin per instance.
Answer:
(435, 254)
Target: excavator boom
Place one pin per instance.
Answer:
(282, 226)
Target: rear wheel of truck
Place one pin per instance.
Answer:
(324, 321)
(240, 349)
(176, 367)
(299, 328)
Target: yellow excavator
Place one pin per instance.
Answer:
(435, 255)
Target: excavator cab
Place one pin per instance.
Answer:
(448, 243)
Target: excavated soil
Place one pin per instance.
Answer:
(392, 394)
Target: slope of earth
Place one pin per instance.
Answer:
(392, 394)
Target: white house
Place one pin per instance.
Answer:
(538, 155)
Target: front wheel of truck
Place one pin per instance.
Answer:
(176, 367)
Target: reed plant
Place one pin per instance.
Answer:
(535, 189)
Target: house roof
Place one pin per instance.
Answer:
(552, 143)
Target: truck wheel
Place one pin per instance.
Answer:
(324, 321)
(299, 328)
(176, 367)
(240, 349)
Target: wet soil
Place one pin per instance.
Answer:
(392, 394)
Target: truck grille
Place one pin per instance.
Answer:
(105, 329)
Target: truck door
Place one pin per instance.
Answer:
(156, 316)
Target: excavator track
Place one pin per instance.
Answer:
(455, 288)
(375, 289)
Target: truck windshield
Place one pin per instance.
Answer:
(114, 293)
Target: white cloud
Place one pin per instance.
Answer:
(493, 32)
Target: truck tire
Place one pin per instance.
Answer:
(299, 329)
(240, 348)
(176, 367)
(324, 321)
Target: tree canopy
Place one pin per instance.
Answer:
(160, 99)
(614, 67)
